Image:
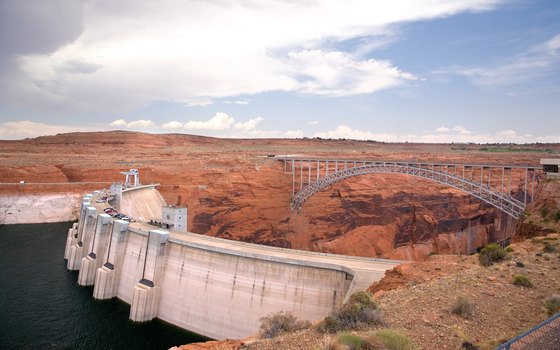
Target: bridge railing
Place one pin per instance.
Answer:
(493, 184)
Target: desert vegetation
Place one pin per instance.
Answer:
(281, 322)
(462, 307)
(491, 254)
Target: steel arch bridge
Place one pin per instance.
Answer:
(493, 184)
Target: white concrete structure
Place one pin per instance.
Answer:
(215, 287)
(116, 190)
(143, 203)
(96, 248)
(134, 173)
(175, 218)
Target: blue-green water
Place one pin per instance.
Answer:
(42, 306)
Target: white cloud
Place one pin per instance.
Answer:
(172, 125)
(461, 130)
(119, 122)
(338, 73)
(538, 61)
(251, 124)
(238, 102)
(312, 122)
(25, 129)
(507, 134)
(135, 124)
(293, 134)
(220, 121)
(141, 123)
(442, 129)
(196, 51)
(200, 102)
(346, 132)
(457, 134)
(552, 45)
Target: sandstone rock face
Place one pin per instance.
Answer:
(542, 215)
(390, 216)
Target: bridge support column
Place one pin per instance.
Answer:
(96, 247)
(77, 250)
(145, 299)
(107, 276)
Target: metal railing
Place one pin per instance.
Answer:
(493, 184)
(545, 336)
(502, 201)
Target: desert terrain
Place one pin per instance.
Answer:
(233, 188)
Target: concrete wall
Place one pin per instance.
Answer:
(222, 295)
(142, 203)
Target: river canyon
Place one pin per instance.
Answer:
(234, 189)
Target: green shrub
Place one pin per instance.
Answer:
(359, 311)
(462, 307)
(552, 304)
(509, 249)
(350, 341)
(394, 340)
(491, 254)
(281, 322)
(557, 216)
(544, 212)
(522, 281)
(330, 324)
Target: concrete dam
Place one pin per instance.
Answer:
(215, 287)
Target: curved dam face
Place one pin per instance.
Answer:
(215, 287)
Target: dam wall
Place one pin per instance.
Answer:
(211, 286)
(209, 289)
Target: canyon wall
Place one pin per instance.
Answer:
(377, 215)
(234, 190)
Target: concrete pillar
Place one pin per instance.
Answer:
(116, 191)
(77, 251)
(96, 247)
(72, 239)
(107, 276)
(145, 299)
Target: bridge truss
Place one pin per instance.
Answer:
(506, 187)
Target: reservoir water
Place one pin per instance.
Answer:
(43, 307)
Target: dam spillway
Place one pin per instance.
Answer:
(215, 287)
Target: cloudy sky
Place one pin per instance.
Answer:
(399, 70)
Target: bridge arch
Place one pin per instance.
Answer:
(502, 201)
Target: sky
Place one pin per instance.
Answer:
(480, 71)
